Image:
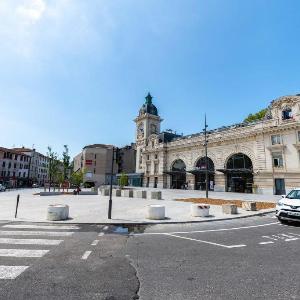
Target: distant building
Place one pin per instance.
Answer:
(38, 166)
(258, 157)
(96, 161)
(14, 168)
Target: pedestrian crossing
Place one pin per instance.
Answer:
(17, 241)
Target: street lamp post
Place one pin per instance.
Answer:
(206, 159)
(111, 183)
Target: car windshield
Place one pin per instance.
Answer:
(295, 194)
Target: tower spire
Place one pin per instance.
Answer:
(149, 98)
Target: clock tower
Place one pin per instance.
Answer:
(147, 123)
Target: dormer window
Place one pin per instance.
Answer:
(287, 114)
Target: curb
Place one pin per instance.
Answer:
(148, 223)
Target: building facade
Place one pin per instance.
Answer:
(14, 168)
(96, 161)
(259, 157)
(38, 165)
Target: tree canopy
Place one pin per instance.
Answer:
(257, 116)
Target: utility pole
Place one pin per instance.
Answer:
(114, 150)
(206, 159)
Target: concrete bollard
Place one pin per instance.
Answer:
(127, 193)
(140, 194)
(156, 195)
(230, 209)
(117, 192)
(105, 192)
(156, 212)
(57, 212)
(200, 210)
(248, 205)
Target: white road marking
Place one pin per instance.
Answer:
(203, 231)
(46, 233)
(101, 234)
(51, 227)
(11, 272)
(22, 253)
(206, 242)
(86, 254)
(105, 227)
(30, 241)
(293, 239)
(294, 234)
(288, 236)
(269, 237)
(95, 243)
(266, 243)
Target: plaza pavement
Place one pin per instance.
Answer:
(93, 209)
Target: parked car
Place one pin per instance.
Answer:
(35, 185)
(288, 208)
(2, 188)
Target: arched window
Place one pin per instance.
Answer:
(287, 114)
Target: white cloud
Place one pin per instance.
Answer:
(31, 10)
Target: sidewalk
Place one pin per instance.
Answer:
(93, 209)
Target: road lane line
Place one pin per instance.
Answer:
(95, 243)
(22, 253)
(11, 272)
(86, 254)
(30, 241)
(266, 243)
(294, 239)
(51, 227)
(209, 230)
(101, 234)
(206, 242)
(46, 233)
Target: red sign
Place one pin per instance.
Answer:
(88, 162)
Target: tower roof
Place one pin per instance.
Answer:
(148, 107)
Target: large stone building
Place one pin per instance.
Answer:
(259, 157)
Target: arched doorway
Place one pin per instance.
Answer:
(239, 171)
(178, 174)
(200, 174)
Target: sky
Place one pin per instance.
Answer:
(76, 72)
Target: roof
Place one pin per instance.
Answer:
(148, 107)
(11, 151)
(98, 146)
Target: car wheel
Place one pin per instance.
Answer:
(282, 221)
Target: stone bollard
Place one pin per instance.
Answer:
(156, 212)
(200, 210)
(117, 192)
(156, 195)
(230, 209)
(57, 212)
(141, 194)
(248, 205)
(127, 193)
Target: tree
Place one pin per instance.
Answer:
(53, 167)
(66, 162)
(77, 178)
(123, 181)
(257, 116)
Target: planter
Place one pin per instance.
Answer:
(200, 210)
(57, 212)
(156, 212)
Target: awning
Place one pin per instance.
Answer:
(197, 171)
(236, 171)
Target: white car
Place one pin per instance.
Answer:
(288, 208)
(2, 188)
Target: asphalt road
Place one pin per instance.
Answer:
(253, 258)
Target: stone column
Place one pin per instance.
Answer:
(190, 178)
